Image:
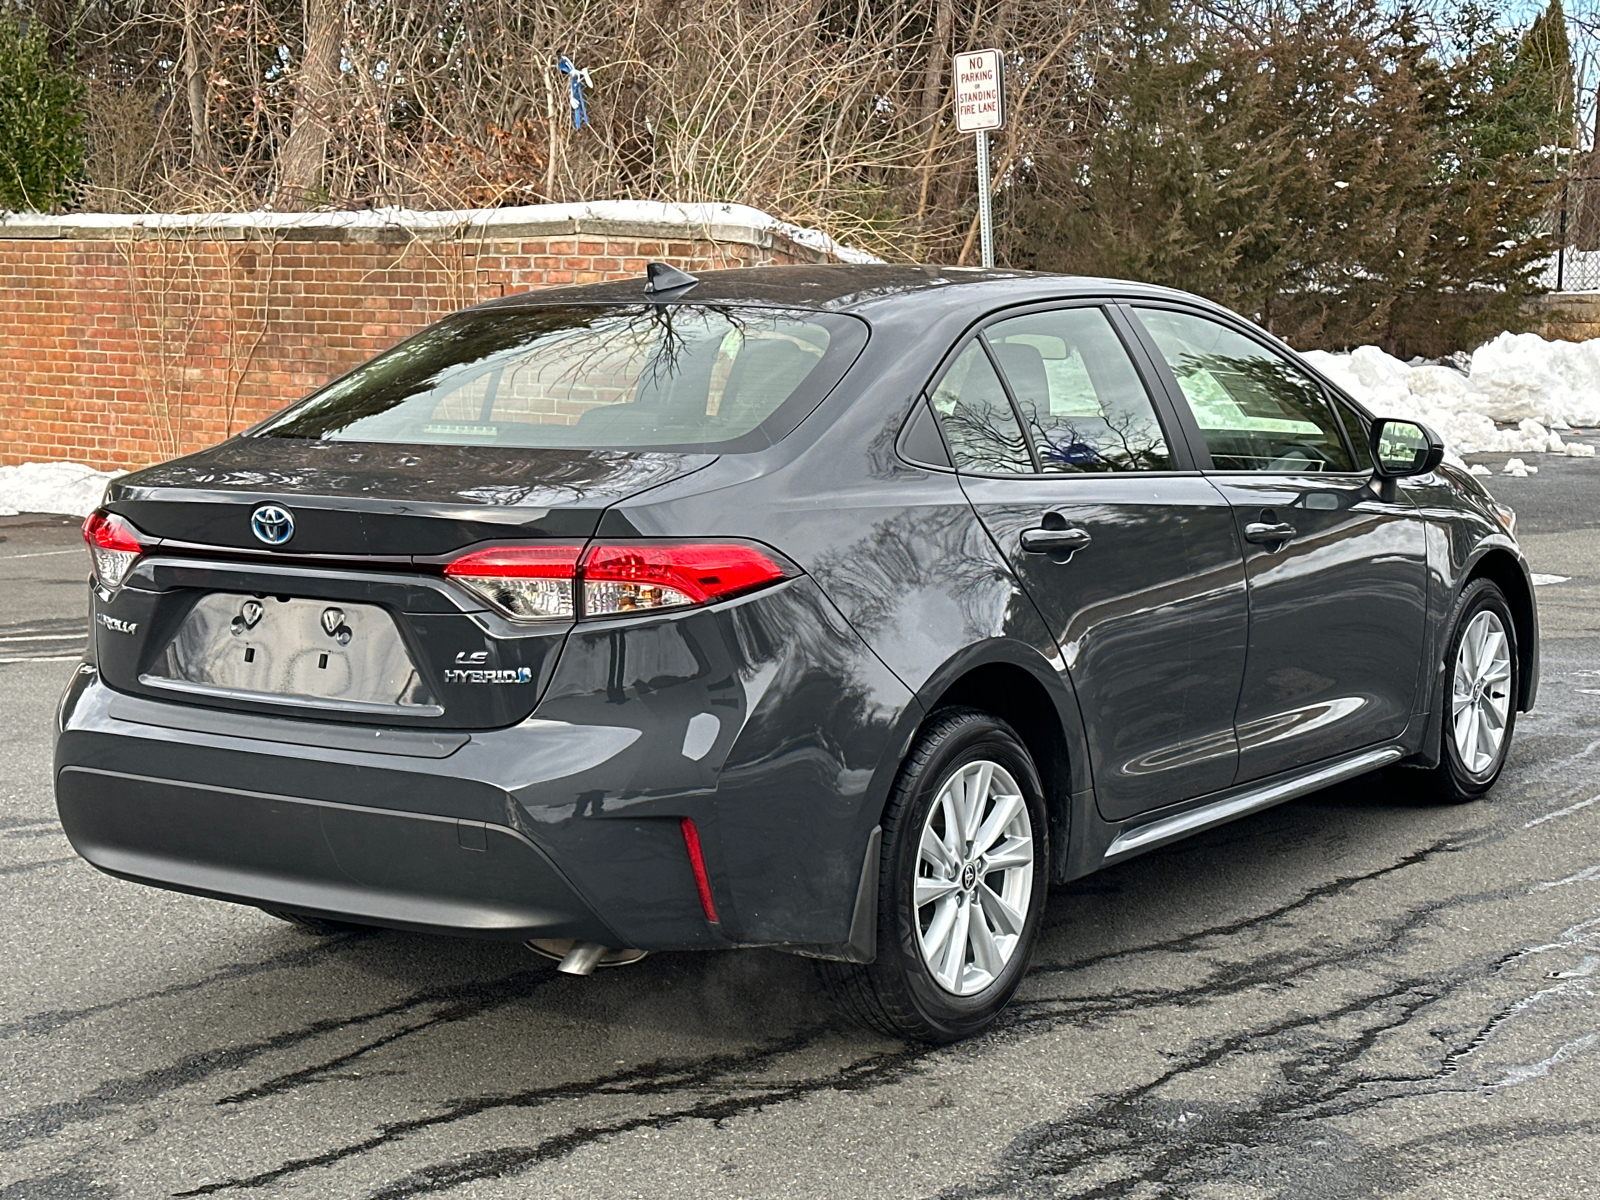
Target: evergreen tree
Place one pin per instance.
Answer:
(41, 151)
(1337, 177)
(1543, 79)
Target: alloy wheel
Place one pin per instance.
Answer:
(974, 877)
(1480, 693)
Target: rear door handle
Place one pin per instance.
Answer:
(1041, 541)
(1265, 533)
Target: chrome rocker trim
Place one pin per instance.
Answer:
(1170, 829)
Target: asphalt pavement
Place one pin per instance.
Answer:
(1356, 994)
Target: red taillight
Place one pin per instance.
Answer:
(527, 582)
(619, 579)
(691, 842)
(109, 532)
(539, 582)
(113, 546)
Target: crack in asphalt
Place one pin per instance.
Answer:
(1126, 1128)
(47, 1119)
(1343, 883)
(657, 1078)
(36, 1024)
(874, 1071)
(36, 865)
(664, 1077)
(1278, 968)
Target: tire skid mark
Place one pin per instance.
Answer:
(47, 1119)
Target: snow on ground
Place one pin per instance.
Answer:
(58, 487)
(1519, 379)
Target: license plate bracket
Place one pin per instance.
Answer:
(290, 650)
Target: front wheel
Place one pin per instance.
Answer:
(962, 884)
(1480, 690)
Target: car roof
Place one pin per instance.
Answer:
(866, 289)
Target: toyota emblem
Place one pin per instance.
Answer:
(273, 524)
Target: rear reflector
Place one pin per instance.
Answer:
(113, 546)
(526, 582)
(691, 841)
(541, 582)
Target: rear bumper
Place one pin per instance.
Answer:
(399, 869)
(765, 720)
(421, 835)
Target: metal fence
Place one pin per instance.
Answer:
(1574, 268)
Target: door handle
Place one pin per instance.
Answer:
(1042, 541)
(1265, 533)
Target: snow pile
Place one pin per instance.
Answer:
(59, 487)
(1518, 379)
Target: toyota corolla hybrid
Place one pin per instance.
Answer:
(839, 609)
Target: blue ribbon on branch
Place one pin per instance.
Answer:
(577, 80)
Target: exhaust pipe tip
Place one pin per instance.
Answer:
(581, 958)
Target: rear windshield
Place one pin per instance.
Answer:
(660, 377)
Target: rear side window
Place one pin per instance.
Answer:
(1082, 403)
(1256, 410)
(977, 419)
(674, 376)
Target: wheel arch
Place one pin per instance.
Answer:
(1510, 574)
(1032, 698)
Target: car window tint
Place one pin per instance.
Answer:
(1257, 411)
(1360, 441)
(1081, 400)
(977, 418)
(617, 377)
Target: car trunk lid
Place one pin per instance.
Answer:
(351, 619)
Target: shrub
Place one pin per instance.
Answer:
(41, 150)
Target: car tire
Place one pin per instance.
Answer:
(913, 990)
(1482, 677)
(322, 925)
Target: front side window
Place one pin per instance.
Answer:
(674, 376)
(1360, 439)
(1081, 401)
(1256, 410)
(977, 418)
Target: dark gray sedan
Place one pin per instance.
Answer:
(836, 609)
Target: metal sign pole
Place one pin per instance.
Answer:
(985, 207)
(980, 86)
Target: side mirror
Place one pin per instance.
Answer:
(1405, 448)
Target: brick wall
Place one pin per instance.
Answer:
(125, 342)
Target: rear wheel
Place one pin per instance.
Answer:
(961, 884)
(322, 925)
(1480, 690)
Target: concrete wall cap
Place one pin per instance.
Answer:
(649, 219)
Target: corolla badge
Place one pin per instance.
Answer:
(273, 524)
